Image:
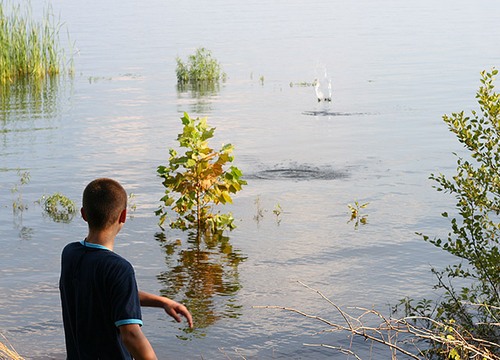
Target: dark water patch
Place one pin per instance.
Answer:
(38, 327)
(6, 131)
(331, 113)
(299, 173)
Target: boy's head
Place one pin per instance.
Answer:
(104, 201)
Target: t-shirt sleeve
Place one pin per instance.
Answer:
(124, 296)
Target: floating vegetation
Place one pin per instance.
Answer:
(28, 49)
(356, 215)
(260, 211)
(132, 206)
(302, 84)
(200, 68)
(58, 207)
(278, 210)
(259, 214)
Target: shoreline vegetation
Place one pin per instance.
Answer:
(7, 352)
(29, 49)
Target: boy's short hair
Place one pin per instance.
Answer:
(103, 201)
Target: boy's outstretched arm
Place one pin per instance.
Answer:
(171, 307)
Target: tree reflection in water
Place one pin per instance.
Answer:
(203, 275)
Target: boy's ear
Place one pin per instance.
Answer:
(82, 211)
(123, 216)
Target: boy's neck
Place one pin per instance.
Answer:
(101, 237)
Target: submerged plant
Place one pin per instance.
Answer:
(131, 205)
(197, 180)
(28, 49)
(278, 210)
(58, 207)
(356, 215)
(260, 211)
(200, 68)
(18, 204)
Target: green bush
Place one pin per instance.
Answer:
(199, 68)
(471, 286)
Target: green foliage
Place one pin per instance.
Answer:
(28, 49)
(197, 180)
(356, 215)
(58, 207)
(199, 68)
(474, 236)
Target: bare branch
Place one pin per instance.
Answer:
(388, 331)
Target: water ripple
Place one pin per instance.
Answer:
(299, 172)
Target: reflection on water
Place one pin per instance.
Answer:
(203, 275)
(33, 99)
(202, 93)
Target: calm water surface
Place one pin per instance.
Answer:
(396, 68)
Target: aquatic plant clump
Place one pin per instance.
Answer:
(59, 207)
(28, 49)
(199, 68)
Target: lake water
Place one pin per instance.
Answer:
(396, 68)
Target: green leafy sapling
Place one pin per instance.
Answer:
(198, 180)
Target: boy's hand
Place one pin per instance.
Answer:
(171, 307)
(175, 310)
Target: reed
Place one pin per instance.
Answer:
(28, 49)
(200, 68)
(8, 352)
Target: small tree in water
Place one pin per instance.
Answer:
(196, 180)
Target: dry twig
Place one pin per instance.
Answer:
(388, 331)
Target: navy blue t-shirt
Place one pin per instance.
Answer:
(98, 294)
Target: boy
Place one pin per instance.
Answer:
(99, 295)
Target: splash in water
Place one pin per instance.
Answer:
(323, 88)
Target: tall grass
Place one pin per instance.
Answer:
(28, 49)
(8, 352)
(200, 67)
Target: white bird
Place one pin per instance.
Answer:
(323, 88)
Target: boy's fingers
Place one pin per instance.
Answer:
(177, 312)
(188, 317)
